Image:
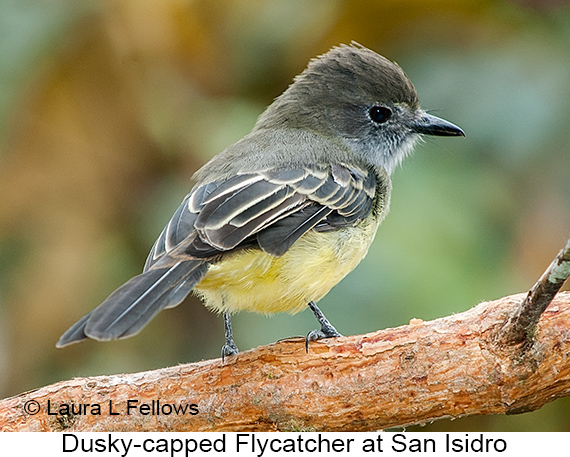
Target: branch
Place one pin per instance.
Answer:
(520, 327)
(450, 367)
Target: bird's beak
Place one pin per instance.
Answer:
(427, 124)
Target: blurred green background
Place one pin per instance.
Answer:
(108, 107)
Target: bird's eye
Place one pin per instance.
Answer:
(380, 114)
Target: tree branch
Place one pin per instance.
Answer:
(450, 367)
(520, 327)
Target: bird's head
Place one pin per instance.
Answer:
(352, 94)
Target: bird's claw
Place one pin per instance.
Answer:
(229, 349)
(314, 335)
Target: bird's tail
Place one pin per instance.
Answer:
(127, 310)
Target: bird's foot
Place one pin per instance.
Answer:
(327, 329)
(229, 348)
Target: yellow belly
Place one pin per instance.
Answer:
(254, 281)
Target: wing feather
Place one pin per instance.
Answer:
(267, 209)
(257, 210)
(280, 236)
(230, 236)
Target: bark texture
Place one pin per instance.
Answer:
(450, 367)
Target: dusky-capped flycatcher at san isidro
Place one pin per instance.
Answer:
(274, 221)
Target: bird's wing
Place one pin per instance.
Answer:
(267, 209)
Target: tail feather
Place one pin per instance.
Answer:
(180, 292)
(75, 333)
(127, 310)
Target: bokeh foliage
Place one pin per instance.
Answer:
(108, 107)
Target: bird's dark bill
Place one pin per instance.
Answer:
(432, 125)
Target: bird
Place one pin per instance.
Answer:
(277, 219)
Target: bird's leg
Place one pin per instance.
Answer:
(327, 330)
(230, 347)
